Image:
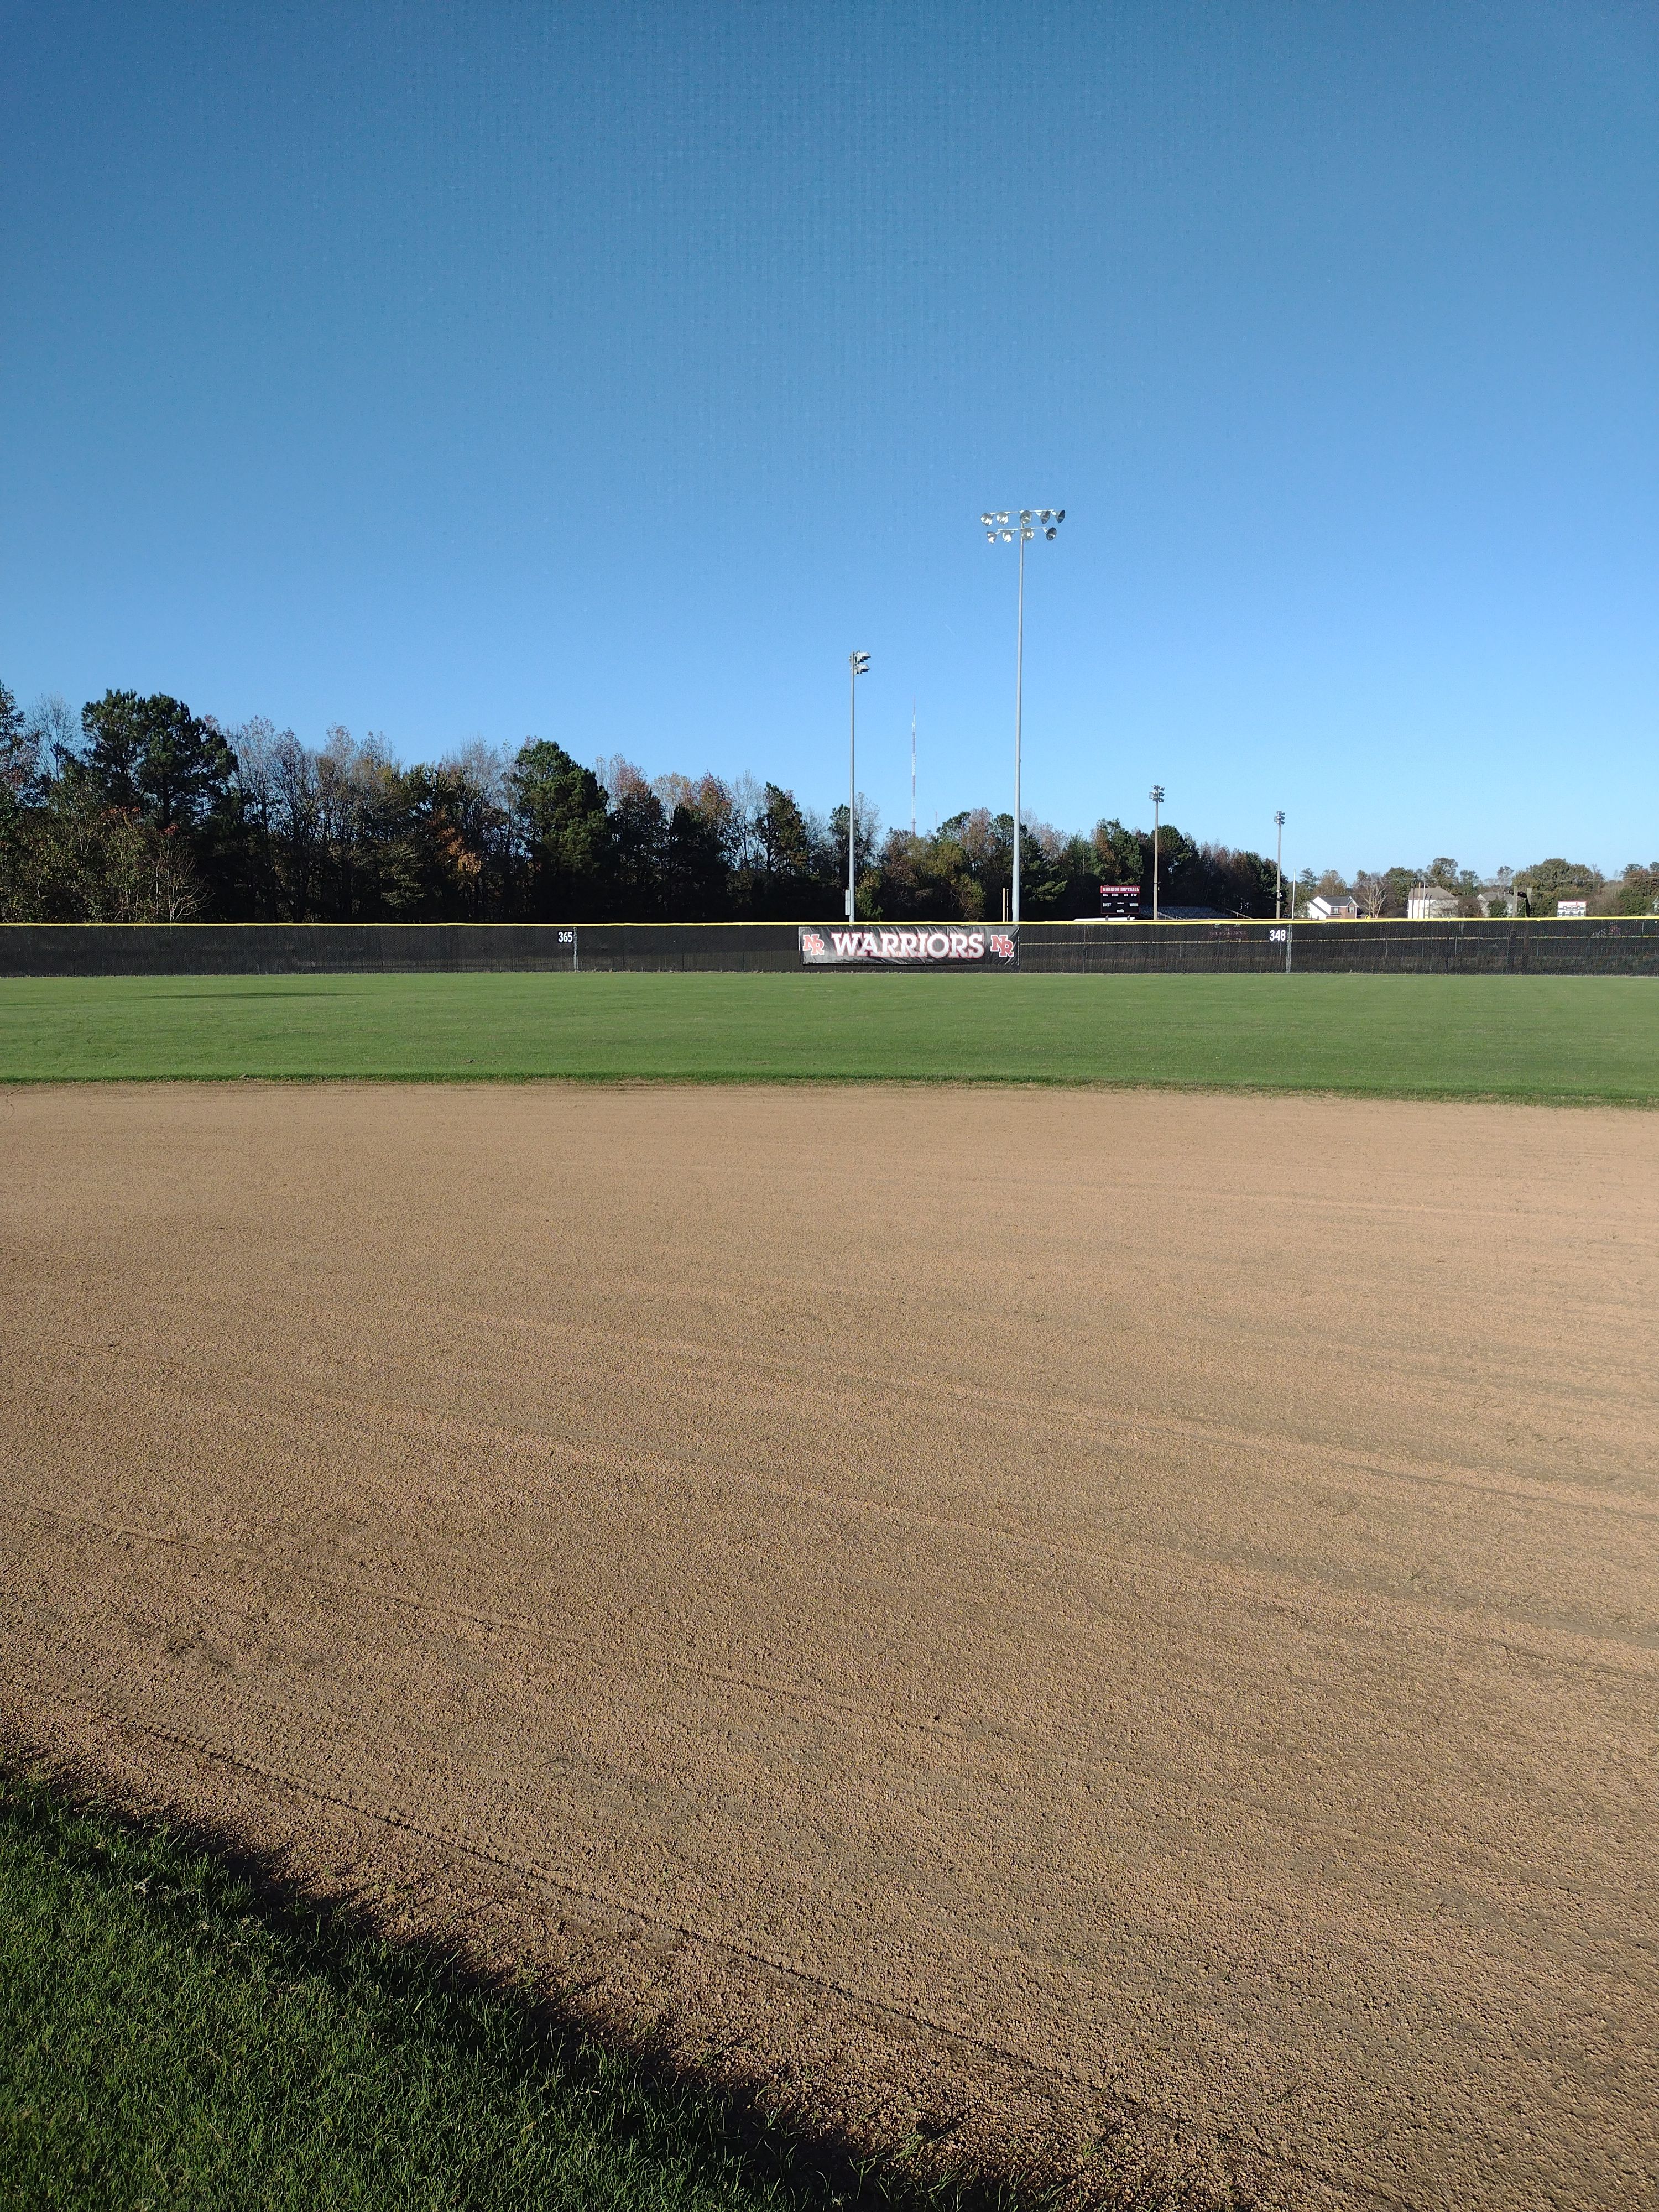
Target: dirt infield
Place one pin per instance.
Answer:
(1032, 1619)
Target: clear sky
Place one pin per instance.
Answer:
(608, 372)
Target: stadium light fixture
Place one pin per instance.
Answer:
(858, 664)
(1003, 527)
(1156, 794)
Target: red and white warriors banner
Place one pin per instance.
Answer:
(970, 945)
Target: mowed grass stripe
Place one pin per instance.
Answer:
(1526, 1037)
(169, 2034)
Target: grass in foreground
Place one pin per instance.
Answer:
(170, 2035)
(1538, 1037)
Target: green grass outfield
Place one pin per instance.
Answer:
(1558, 1038)
(172, 2034)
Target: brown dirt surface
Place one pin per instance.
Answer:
(1112, 1633)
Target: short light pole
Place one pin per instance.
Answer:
(1279, 868)
(1156, 794)
(858, 664)
(1009, 527)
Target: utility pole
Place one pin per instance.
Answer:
(858, 664)
(1278, 869)
(1156, 794)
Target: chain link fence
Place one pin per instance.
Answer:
(1601, 945)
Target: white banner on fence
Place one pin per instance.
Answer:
(968, 945)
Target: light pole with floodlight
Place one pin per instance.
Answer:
(1156, 794)
(1008, 526)
(1279, 868)
(858, 664)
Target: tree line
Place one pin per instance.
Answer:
(139, 809)
(1532, 891)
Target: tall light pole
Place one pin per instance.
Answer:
(913, 767)
(1156, 794)
(858, 664)
(1009, 527)
(1279, 868)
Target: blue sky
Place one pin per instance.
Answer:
(607, 373)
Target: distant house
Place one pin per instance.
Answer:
(1333, 909)
(1430, 903)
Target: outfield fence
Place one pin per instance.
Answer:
(1600, 945)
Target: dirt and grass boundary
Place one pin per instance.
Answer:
(180, 2019)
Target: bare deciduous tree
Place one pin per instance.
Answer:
(1371, 892)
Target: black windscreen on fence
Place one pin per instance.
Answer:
(1605, 945)
(1600, 945)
